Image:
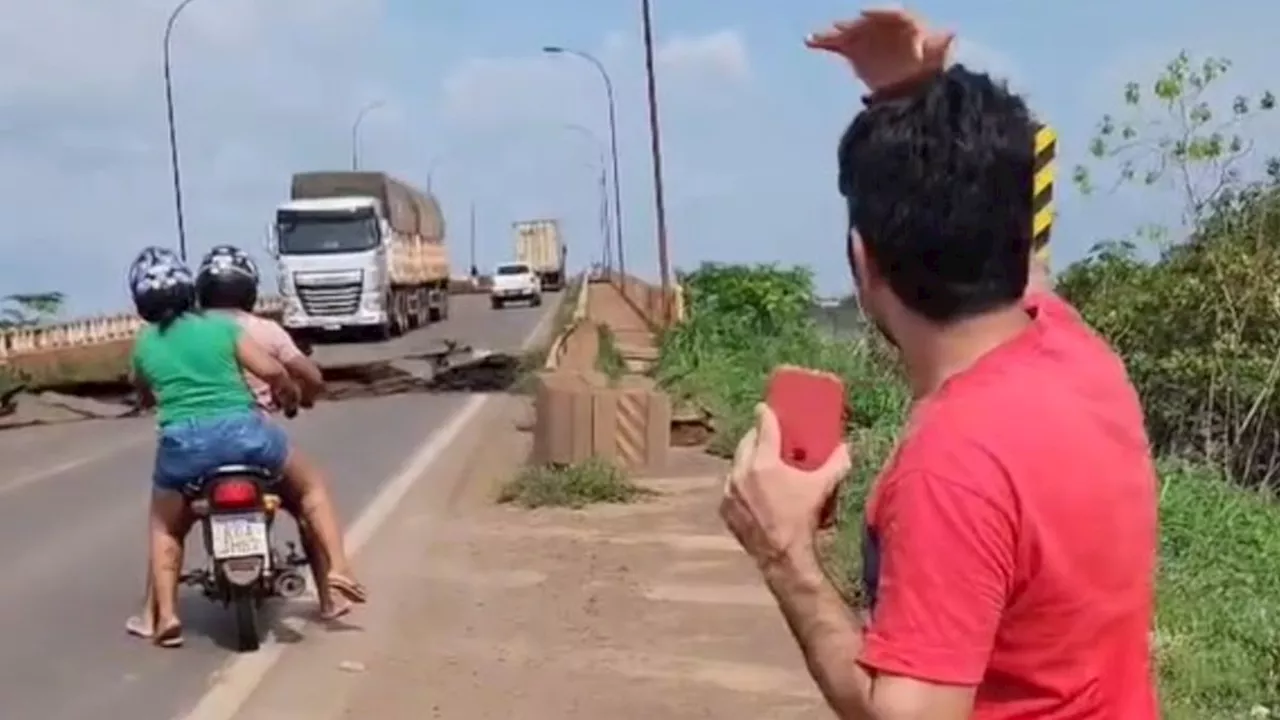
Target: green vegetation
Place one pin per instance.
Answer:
(572, 486)
(26, 309)
(609, 360)
(1198, 326)
(534, 360)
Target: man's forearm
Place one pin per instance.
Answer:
(827, 629)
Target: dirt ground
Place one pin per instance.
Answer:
(482, 611)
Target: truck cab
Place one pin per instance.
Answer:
(515, 282)
(359, 251)
(332, 259)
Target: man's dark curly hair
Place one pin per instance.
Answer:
(938, 186)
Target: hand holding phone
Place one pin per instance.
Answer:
(809, 405)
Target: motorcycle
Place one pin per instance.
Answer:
(236, 506)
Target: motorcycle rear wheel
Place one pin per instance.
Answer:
(248, 635)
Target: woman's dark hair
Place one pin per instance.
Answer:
(939, 187)
(163, 312)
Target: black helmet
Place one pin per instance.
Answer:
(228, 278)
(161, 285)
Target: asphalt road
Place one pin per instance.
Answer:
(72, 532)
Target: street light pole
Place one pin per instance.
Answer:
(355, 131)
(660, 206)
(605, 230)
(431, 169)
(613, 140)
(474, 270)
(173, 132)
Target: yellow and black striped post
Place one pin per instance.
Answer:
(1042, 194)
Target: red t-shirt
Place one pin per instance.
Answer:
(1011, 541)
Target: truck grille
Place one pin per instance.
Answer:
(330, 300)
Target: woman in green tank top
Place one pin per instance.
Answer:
(189, 364)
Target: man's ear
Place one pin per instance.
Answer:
(861, 263)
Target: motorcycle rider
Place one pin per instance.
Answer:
(226, 285)
(188, 364)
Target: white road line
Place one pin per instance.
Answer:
(236, 681)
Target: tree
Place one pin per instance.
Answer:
(1183, 142)
(1199, 327)
(24, 309)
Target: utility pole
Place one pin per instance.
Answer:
(475, 271)
(660, 207)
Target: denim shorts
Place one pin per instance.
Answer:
(189, 449)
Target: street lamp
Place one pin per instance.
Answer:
(613, 139)
(173, 132)
(432, 165)
(604, 188)
(355, 131)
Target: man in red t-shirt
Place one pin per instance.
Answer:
(1010, 542)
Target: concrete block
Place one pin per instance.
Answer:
(579, 415)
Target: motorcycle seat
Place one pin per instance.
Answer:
(225, 470)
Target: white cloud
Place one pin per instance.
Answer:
(977, 55)
(539, 88)
(261, 89)
(720, 55)
(506, 117)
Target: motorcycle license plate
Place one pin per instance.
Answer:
(235, 536)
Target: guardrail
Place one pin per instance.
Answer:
(102, 329)
(650, 301)
(86, 332)
(555, 353)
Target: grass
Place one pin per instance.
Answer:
(609, 359)
(1217, 624)
(572, 486)
(534, 360)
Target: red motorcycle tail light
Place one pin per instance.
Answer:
(234, 494)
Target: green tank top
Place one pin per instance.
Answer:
(191, 367)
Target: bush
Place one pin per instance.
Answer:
(1218, 616)
(744, 321)
(1199, 329)
(571, 486)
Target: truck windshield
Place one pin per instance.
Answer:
(317, 233)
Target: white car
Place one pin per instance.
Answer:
(515, 282)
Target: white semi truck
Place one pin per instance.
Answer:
(538, 245)
(359, 251)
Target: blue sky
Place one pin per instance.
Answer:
(750, 118)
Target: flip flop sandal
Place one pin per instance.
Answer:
(139, 627)
(337, 613)
(170, 637)
(348, 588)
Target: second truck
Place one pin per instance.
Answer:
(538, 245)
(359, 251)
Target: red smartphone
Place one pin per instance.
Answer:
(810, 407)
(810, 410)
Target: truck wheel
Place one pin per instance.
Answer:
(497, 304)
(438, 310)
(537, 301)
